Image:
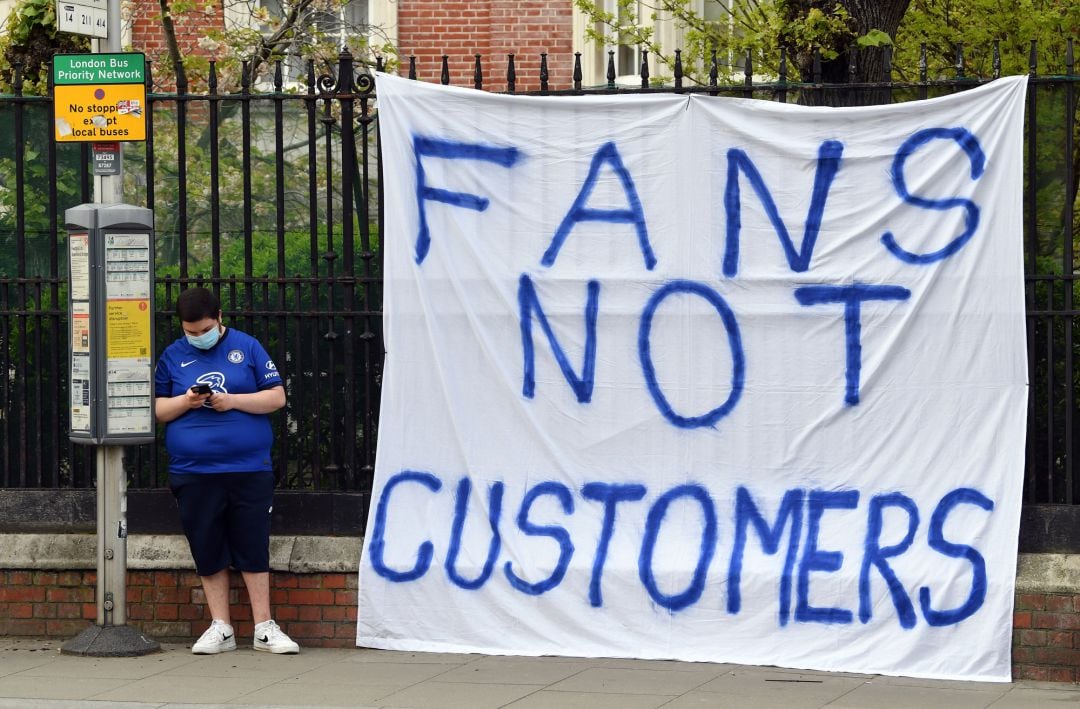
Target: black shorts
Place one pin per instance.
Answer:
(226, 519)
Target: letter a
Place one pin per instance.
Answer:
(635, 215)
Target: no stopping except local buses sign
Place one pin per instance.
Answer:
(99, 97)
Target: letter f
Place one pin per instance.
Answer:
(451, 150)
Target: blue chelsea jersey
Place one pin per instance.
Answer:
(207, 441)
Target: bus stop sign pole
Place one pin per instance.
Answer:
(111, 311)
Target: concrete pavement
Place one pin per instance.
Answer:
(34, 675)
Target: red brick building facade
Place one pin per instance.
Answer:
(494, 29)
(425, 29)
(148, 35)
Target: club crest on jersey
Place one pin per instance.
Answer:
(235, 356)
(216, 380)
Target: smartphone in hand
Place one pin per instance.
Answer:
(201, 389)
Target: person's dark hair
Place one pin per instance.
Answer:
(194, 304)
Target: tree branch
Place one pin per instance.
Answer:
(175, 58)
(283, 35)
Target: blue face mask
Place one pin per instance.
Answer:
(206, 340)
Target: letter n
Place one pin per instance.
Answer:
(529, 303)
(799, 261)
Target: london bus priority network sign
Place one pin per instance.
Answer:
(99, 97)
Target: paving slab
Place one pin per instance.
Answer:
(19, 654)
(548, 699)
(632, 664)
(614, 680)
(251, 664)
(710, 700)
(234, 705)
(12, 663)
(770, 689)
(1030, 698)
(942, 683)
(450, 695)
(398, 675)
(163, 688)
(322, 694)
(68, 667)
(523, 670)
(8, 703)
(15, 686)
(772, 671)
(396, 656)
(883, 695)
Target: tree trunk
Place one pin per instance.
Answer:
(868, 63)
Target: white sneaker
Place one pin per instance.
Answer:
(219, 637)
(269, 637)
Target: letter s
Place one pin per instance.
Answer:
(957, 551)
(559, 534)
(970, 145)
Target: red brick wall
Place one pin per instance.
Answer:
(46, 603)
(316, 610)
(1046, 637)
(428, 29)
(148, 36)
(319, 610)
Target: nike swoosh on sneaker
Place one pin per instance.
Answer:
(225, 637)
(184, 364)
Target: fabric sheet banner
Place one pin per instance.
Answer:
(700, 378)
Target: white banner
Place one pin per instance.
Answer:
(700, 378)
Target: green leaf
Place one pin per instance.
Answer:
(874, 38)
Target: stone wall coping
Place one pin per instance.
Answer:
(1048, 573)
(1036, 573)
(296, 554)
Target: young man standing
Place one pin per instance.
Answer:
(214, 388)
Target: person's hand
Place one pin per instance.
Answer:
(194, 400)
(221, 401)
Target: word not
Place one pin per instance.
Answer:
(794, 534)
(740, 166)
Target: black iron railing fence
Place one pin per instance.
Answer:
(273, 200)
(270, 200)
